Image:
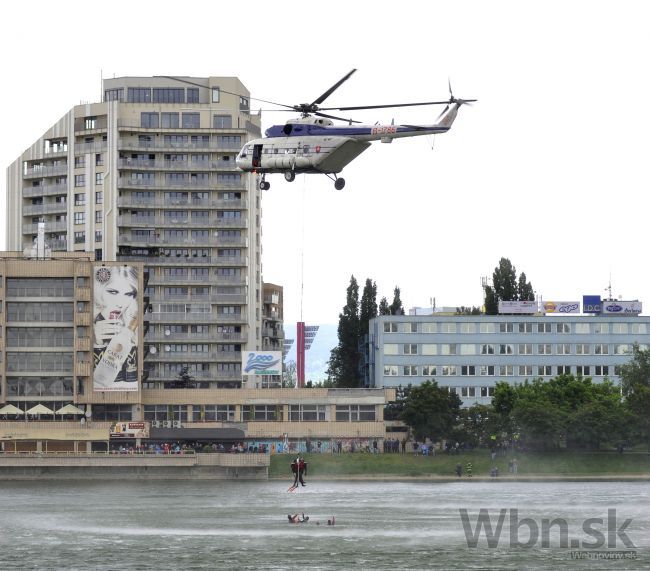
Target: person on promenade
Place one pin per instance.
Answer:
(459, 470)
(468, 469)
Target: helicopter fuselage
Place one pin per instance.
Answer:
(315, 145)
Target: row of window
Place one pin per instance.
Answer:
(524, 327)
(496, 370)
(508, 349)
(153, 120)
(196, 141)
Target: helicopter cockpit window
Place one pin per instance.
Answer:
(291, 151)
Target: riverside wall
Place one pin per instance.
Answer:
(36, 466)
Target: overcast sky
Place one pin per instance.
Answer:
(549, 169)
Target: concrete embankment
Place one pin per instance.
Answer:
(135, 467)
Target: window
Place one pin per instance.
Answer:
(486, 370)
(505, 349)
(149, 120)
(506, 327)
(429, 370)
(525, 370)
(525, 348)
(390, 327)
(429, 349)
(543, 328)
(192, 94)
(79, 218)
(222, 122)
(525, 328)
(468, 327)
(307, 412)
(563, 369)
(259, 412)
(429, 327)
(98, 235)
(601, 349)
(410, 370)
(583, 370)
(98, 216)
(80, 180)
(544, 349)
(601, 370)
(410, 349)
(448, 349)
(79, 199)
(139, 95)
(488, 328)
(487, 391)
(468, 392)
(215, 95)
(99, 197)
(638, 328)
(487, 349)
(619, 328)
(90, 123)
(449, 370)
(355, 413)
(390, 370)
(468, 370)
(169, 120)
(447, 328)
(582, 328)
(601, 328)
(544, 370)
(213, 413)
(506, 370)
(79, 237)
(564, 349)
(408, 327)
(563, 327)
(99, 178)
(114, 94)
(621, 349)
(467, 349)
(583, 349)
(390, 349)
(191, 120)
(168, 95)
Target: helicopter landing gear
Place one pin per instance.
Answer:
(289, 176)
(263, 184)
(339, 183)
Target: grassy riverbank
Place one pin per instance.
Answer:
(556, 464)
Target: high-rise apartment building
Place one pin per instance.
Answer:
(148, 175)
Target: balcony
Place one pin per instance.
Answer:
(179, 317)
(168, 261)
(163, 202)
(49, 227)
(40, 171)
(36, 209)
(45, 190)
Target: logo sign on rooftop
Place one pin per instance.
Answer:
(591, 304)
(518, 307)
(262, 363)
(561, 307)
(621, 307)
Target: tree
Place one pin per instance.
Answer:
(289, 375)
(343, 366)
(506, 287)
(393, 410)
(462, 310)
(368, 308)
(396, 307)
(184, 379)
(431, 411)
(384, 308)
(635, 385)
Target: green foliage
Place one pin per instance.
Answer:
(393, 410)
(384, 308)
(368, 309)
(506, 287)
(396, 307)
(635, 385)
(431, 411)
(462, 310)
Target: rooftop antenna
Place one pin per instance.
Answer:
(608, 289)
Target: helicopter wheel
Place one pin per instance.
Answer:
(339, 183)
(264, 185)
(289, 176)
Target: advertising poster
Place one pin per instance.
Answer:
(262, 362)
(129, 430)
(518, 307)
(621, 307)
(561, 307)
(116, 317)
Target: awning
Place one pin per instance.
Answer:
(173, 434)
(69, 409)
(10, 409)
(40, 409)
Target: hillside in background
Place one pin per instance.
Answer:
(317, 357)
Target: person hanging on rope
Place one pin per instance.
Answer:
(296, 474)
(302, 470)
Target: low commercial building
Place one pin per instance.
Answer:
(471, 353)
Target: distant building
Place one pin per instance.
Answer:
(470, 354)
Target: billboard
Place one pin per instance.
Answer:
(129, 430)
(591, 304)
(262, 362)
(524, 307)
(117, 299)
(613, 307)
(561, 306)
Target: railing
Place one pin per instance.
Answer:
(162, 202)
(34, 209)
(176, 165)
(49, 227)
(45, 190)
(37, 171)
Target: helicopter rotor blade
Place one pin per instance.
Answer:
(334, 117)
(359, 107)
(332, 89)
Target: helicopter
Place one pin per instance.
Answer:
(312, 143)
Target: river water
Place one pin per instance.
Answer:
(186, 525)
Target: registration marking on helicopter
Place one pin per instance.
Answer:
(383, 130)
